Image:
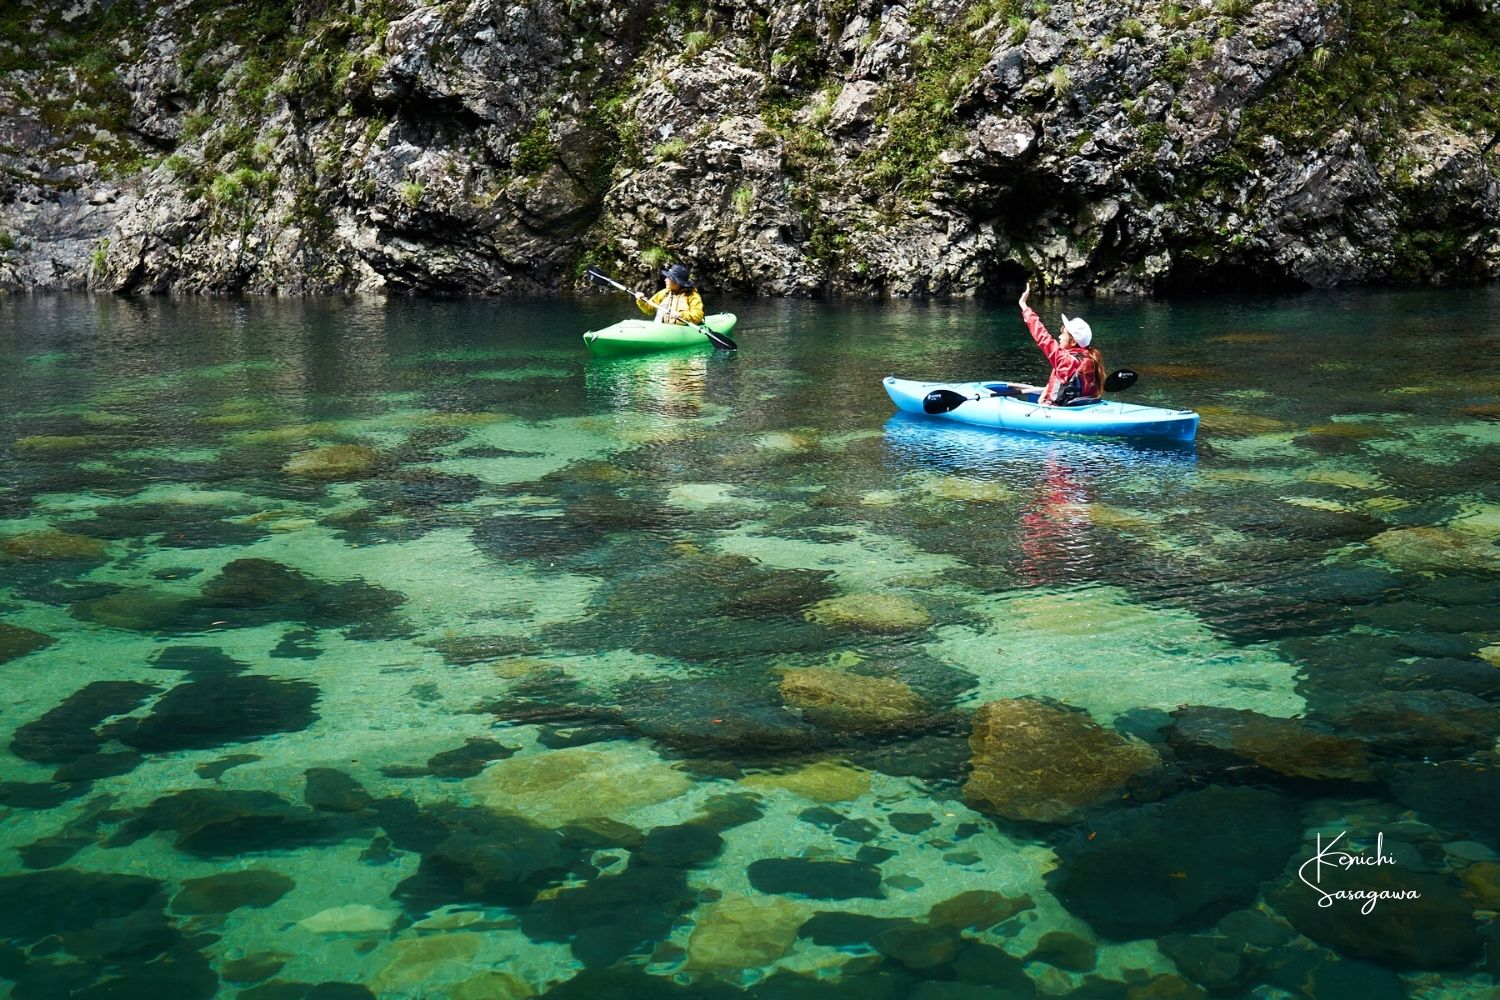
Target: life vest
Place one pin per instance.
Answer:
(1082, 382)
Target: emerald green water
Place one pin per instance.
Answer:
(358, 648)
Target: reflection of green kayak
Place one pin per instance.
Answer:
(636, 336)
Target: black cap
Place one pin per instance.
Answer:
(679, 274)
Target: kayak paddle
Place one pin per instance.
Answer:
(720, 341)
(946, 400)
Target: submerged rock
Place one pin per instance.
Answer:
(49, 545)
(978, 909)
(475, 854)
(1462, 797)
(231, 890)
(141, 609)
(562, 786)
(821, 781)
(1420, 721)
(421, 964)
(16, 642)
(1291, 747)
(254, 967)
(352, 918)
(340, 461)
(1064, 950)
(1042, 764)
(197, 659)
(69, 732)
(63, 442)
(1433, 930)
(1433, 548)
(816, 879)
(207, 713)
(213, 823)
(879, 613)
(743, 932)
(842, 700)
(1194, 857)
(715, 717)
(331, 790)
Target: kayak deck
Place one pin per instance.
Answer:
(1013, 406)
(637, 336)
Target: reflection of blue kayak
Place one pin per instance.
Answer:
(919, 442)
(1012, 406)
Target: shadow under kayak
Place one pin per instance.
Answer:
(1012, 406)
(637, 336)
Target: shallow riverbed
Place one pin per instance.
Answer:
(359, 648)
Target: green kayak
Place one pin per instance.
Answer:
(637, 336)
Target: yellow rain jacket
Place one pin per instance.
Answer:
(685, 308)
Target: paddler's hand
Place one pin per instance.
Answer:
(1027, 292)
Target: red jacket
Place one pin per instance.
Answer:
(1065, 363)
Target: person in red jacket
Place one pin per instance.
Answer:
(1077, 368)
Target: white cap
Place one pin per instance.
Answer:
(1078, 330)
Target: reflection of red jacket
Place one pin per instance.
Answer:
(1065, 363)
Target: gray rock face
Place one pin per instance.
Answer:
(797, 148)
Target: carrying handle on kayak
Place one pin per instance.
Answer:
(720, 341)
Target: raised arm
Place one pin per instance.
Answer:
(1037, 330)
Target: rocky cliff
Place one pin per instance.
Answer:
(936, 147)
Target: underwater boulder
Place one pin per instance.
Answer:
(1290, 747)
(228, 891)
(215, 711)
(245, 584)
(820, 781)
(1038, 763)
(1180, 864)
(563, 786)
(743, 932)
(1460, 797)
(838, 699)
(68, 732)
(339, 461)
(1434, 930)
(816, 878)
(141, 609)
(331, 790)
(712, 716)
(1065, 951)
(978, 909)
(1420, 722)
(51, 545)
(16, 642)
(1426, 547)
(886, 614)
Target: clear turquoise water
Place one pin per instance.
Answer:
(504, 702)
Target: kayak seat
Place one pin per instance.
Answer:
(1084, 401)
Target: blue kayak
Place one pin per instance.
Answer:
(1013, 406)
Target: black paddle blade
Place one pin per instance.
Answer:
(943, 400)
(598, 277)
(720, 341)
(1122, 379)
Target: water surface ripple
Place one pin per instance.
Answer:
(399, 649)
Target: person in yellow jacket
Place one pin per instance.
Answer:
(678, 303)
